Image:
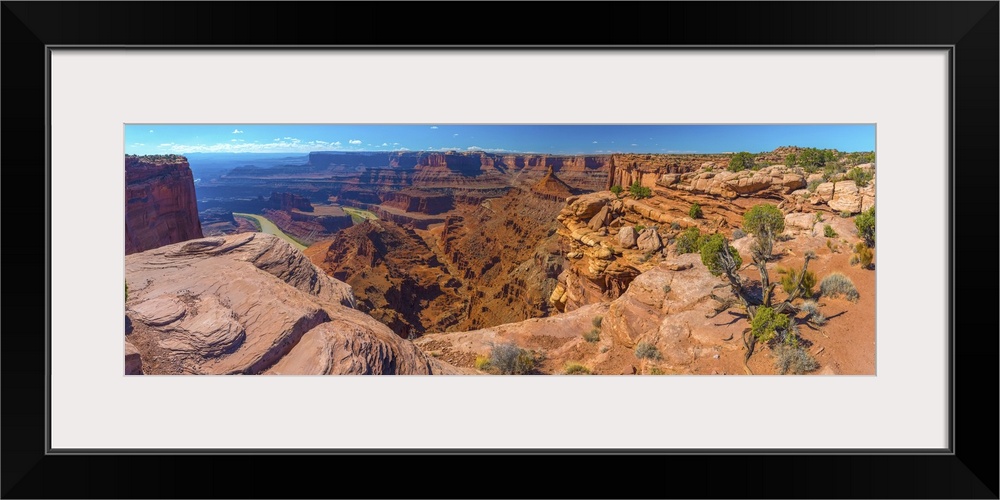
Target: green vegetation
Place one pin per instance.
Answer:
(790, 281)
(819, 217)
(829, 232)
(860, 176)
(689, 241)
(253, 220)
(812, 159)
(639, 191)
(738, 233)
(741, 161)
(573, 368)
(766, 325)
(866, 226)
(862, 255)
(126, 291)
(593, 335)
(597, 321)
(509, 359)
(844, 214)
(859, 158)
(695, 211)
(791, 160)
(639, 228)
(645, 350)
(482, 363)
(772, 322)
(813, 184)
(836, 285)
(718, 255)
(616, 190)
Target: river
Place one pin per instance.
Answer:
(268, 227)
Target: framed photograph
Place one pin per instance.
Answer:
(458, 191)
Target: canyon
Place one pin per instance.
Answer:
(463, 251)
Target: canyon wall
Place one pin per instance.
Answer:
(160, 203)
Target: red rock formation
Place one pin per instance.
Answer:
(552, 187)
(252, 304)
(160, 203)
(289, 202)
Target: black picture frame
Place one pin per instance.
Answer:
(970, 29)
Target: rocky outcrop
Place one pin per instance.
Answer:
(242, 304)
(288, 202)
(773, 181)
(552, 186)
(160, 203)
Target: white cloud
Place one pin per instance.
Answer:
(454, 135)
(395, 144)
(237, 131)
(355, 141)
(404, 149)
(166, 144)
(336, 143)
(150, 131)
(434, 127)
(138, 144)
(595, 142)
(635, 144)
(473, 148)
(384, 144)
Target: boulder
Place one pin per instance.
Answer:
(627, 237)
(649, 240)
(846, 197)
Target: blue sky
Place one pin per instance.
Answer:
(553, 139)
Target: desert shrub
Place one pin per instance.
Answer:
(639, 191)
(790, 277)
(616, 190)
(845, 214)
(812, 159)
(860, 176)
(713, 256)
(836, 285)
(740, 161)
(604, 349)
(674, 226)
(509, 359)
(738, 233)
(597, 321)
(866, 226)
(819, 217)
(695, 211)
(655, 370)
(862, 255)
(766, 324)
(829, 232)
(689, 241)
(833, 248)
(764, 219)
(576, 369)
(812, 311)
(639, 228)
(793, 359)
(645, 350)
(813, 184)
(791, 160)
(593, 335)
(482, 363)
(666, 288)
(126, 292)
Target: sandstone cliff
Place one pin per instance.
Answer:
(251, 304)
(160, 203)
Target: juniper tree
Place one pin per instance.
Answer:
(771, 322)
